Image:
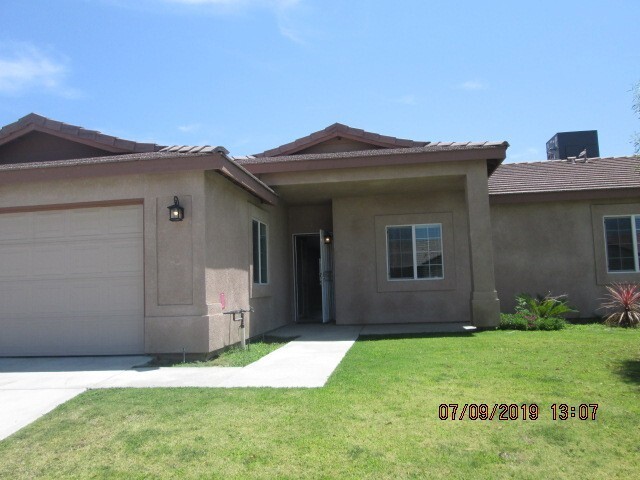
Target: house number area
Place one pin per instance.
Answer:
(513, 411)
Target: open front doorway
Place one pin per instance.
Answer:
(313, 277)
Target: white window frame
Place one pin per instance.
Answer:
(633, 238)
(413, 246)
(259, 265)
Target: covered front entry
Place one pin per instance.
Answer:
(313, 277)
(71, 282)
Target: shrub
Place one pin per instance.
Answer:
(520, 321)
(513, 321)
(539, 313)
(551, 323)
(623, 305)
(543, 307)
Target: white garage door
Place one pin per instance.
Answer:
(71, 282)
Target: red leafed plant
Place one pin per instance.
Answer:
(623, 305)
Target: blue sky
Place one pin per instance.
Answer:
(253, 74)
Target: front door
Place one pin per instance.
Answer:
(313, 272)
(326, 276)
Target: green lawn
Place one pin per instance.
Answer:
(376, 418)
(233, 357)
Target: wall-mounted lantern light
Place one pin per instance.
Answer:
(176, 212)
(328, 238)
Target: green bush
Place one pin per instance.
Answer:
(521, 321)
(513, 321)
(551, 323)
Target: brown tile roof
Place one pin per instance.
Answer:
(613, 173)
(430, 147)
(335, 130)
(129, 157)
(33, 121)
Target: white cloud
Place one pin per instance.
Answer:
(282, 9)
(24, 67)
(472, 85)
(277, 4)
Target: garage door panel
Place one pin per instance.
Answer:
(14, 226)
(87, 297)
(49, 299)
(71, 282)
(87, 258)
(14, 298)
(122, 255)
(87, 222)
(92, 335)
(49, 225)
(49, 259)
(125, 219)
(15, 261)
(125, 296)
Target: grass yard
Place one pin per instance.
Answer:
(233, 357)
(376, 418)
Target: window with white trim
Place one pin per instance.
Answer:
(414, 252)
(621, 242)
(259, 231)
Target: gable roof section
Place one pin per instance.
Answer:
(340, 130)
(526, 180)
(34, 122)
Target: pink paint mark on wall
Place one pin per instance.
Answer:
(223, 301)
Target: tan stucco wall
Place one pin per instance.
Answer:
(555, 247)
(310, 218)
(230, 212)
(358, 255)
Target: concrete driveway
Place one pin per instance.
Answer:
(31, 387)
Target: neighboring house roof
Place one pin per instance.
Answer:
(34, 122)
(340, 130)
(208, 158)
(560, 176)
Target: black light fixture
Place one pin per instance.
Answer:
(176, 212)
(328, 238)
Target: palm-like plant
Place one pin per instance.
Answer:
(623, 304)
(543, 307)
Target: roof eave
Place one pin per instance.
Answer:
(563, 195)
(492, 155)
(110, 166)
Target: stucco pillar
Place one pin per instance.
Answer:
(485, 306)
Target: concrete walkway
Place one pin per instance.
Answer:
(305, 362)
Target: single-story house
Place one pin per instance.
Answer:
(110, 246)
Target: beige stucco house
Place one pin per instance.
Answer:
(342, 225)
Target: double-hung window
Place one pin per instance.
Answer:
(414, 252)
(259, 231)
(621, 240)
